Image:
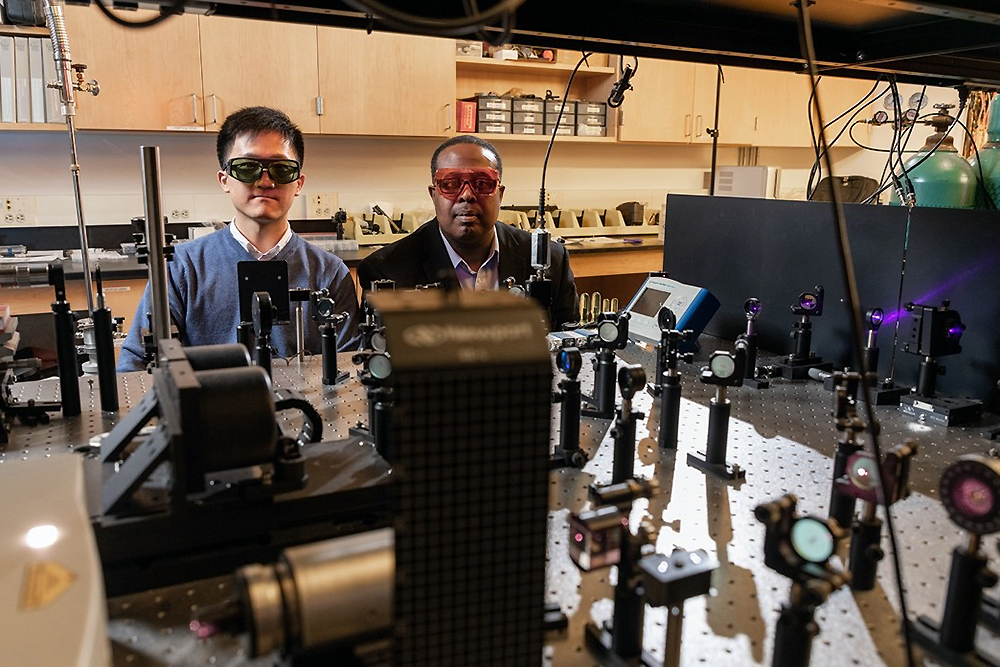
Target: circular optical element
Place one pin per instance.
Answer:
(379, 366)
(970, 491)
(875, 317)
(955, 331)
(808, 301)
(608, 332)
(666, 319)
(863, 471)
(812, 540)
(752, 308)
(722, 365)
(880, 117)
(569, 361)
(378, 342)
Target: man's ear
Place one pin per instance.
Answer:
(223, 180)
(301, 182)
(430, 191)
(500, 194)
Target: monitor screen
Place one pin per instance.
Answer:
(650, 301)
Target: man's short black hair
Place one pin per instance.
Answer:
(252, 121)
(467, 139)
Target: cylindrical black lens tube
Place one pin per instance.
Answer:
(107, 381)
(569, 417)
(718, 431)
(670, 412)
(328, 340)
(69, 372)
(865, 553)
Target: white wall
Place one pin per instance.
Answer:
(361, 170)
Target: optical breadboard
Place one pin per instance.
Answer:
(693, 307)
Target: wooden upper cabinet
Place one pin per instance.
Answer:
(386, 84)
(259, 63)
(740, 93)
(150, 79)
(659, 108)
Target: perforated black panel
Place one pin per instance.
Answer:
(471, 497)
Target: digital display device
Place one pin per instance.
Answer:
(693, 306)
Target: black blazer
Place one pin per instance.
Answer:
(418, 259)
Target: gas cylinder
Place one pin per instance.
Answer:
(989, 157)
(944, 179)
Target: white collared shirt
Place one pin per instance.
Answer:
(488, 275)
(257, 254)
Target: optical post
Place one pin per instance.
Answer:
(667, 383)
(725, 369)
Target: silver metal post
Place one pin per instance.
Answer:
(155, 241)
(300, 332)
(60, 52)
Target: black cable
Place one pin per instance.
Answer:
(853, 300)
(175, 8)
(433, 25)
(857, 108)
(979, 163)
(552, 139)
(871, 148)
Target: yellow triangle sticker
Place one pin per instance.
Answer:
(43, 583)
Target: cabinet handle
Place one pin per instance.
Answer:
(755, 119)
(215, 109)
(697, 122)
(687, 125)
(447, 111)
(194, 107)
(319, 105)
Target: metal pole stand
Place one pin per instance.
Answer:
(797, 626)
(263, 321)
(846, 420)
(751, 378)
(380, 417)
(65, 323)
(954, 639)
(630, 380)
(604, 385)
(670, 412)
(328, 340)
(866, 549)
(714, 459)
(104, 341)
(568, 453)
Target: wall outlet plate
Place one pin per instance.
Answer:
(321, 204)
(16, 211)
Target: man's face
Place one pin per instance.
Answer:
(468, 219)
(265, 202)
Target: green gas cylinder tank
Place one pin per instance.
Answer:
(989, 157)
(944, 179)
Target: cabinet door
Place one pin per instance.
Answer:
(150, 79)
(384, 84)
(739, 95)
(659, 108)
(259, 63)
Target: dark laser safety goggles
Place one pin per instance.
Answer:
(250, 169)
(450, 182)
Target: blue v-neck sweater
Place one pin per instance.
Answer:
(204, 296)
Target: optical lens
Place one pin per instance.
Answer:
(863, 473)
(245, 170)
(973, 497)
(449, 186)
(812, 540)
(283, 171)
(808, 301)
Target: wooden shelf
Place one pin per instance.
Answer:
(24, 31)
(45, 127)
(561, 139)
(473, 64)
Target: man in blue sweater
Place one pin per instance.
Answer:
(260, 155)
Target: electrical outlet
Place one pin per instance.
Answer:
(18, 211)
(322, 204)
(180, 214)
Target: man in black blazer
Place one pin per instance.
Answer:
(465, 238)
